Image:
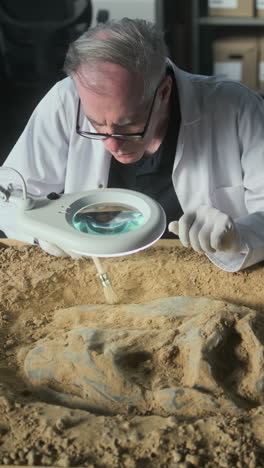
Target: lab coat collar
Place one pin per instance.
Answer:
(189, 99)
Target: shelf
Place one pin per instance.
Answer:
(230, 21)
(206, 29)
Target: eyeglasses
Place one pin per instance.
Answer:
(118, 136)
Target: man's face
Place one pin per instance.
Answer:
(112, 102)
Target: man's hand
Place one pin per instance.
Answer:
(207, 230)
(55, 250)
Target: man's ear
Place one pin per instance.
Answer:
(165, 89)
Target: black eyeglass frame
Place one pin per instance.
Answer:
(118, 136)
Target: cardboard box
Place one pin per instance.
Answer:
(260, 8)
(261, 63)
(236, 58)
(231, 8)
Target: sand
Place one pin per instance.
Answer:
(212, 414)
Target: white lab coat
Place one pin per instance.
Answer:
(219, 158)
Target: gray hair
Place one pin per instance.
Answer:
(134, 44)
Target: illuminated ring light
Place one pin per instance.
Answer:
(116, 221)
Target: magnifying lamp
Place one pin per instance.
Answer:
(96, 223)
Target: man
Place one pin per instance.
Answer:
(128, 117)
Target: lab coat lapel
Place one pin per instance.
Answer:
(189, 177)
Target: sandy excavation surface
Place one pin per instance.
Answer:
(180, 361)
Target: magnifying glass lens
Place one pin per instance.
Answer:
(105, 219)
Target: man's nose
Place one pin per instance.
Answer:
(113, 144)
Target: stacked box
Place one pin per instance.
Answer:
(260, 8)
(236, 58)
(231, 7)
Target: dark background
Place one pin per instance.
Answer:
(34, 36)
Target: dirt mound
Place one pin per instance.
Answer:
(181, 377)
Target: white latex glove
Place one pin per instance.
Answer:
(55, 250)
(207, 230)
